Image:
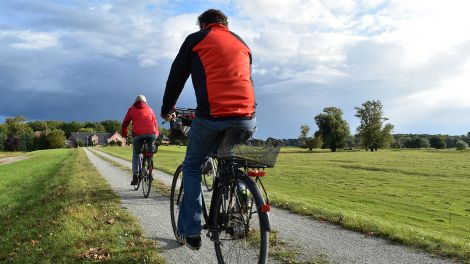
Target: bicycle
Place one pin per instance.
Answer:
(238, 235)
(179, 128)
(146, 167)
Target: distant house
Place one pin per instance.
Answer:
(165, 140)
(38, 134)
(77, 139)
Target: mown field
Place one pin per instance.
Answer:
(55, 208)
(416, 197)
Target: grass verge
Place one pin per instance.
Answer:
(55, 208)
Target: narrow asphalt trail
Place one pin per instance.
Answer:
(313, 240)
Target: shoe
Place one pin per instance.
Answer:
(134, 180)
(192, 242)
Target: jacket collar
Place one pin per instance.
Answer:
(216, 26)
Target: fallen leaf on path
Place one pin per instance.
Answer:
(95, 253)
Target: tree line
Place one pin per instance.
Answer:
(18, 134)
(373, 132)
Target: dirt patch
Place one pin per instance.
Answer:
(12, 159)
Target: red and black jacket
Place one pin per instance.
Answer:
(219, 63)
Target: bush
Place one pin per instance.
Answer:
(119, 143)
(56, 139)
(461, 145)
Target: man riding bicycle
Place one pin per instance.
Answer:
(144, 128)
(219, 63)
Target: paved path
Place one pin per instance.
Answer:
(12, 159)
(330, 242)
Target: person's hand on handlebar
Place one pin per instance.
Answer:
(169, 117)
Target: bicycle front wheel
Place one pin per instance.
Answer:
(176, 198)
(146, 174)
(242, 235)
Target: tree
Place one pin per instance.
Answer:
(3, 136)
(372, 133)
(38, 125)
(87, 129)
(40, 142)
(111, 126)
(56, 139)
(317, 141)
(334, 130)
(437, 142)
(97, 127)
(68, 128)
(450, 141)
(303, 138)
(461, 145)
(19, 135)
(387, 138)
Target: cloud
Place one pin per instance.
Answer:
(88, 59)
(23, 39)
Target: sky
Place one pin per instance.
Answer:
(78, 60)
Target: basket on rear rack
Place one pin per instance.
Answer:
(255, 152)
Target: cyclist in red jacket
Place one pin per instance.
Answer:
(144, 127)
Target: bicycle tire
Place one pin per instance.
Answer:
(209, 176)
(139, 176)
(146, 182)
(176, 197)
(241, 237)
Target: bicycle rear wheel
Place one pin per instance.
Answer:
(209, 175)
(146, 173)
(242, 235)
(176, 198)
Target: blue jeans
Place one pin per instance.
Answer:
(137, 143)
(202, 140)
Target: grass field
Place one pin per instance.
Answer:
(55, 208)
(416, 197)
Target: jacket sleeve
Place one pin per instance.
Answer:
(155, 123)
(125, 123)
(179, 73)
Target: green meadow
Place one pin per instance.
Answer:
(55, 208)
(415, 197)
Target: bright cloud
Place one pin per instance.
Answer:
(307, 54)
(25, 39)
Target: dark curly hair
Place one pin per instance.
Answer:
(212, 16)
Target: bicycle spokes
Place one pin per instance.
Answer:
(241, 238)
